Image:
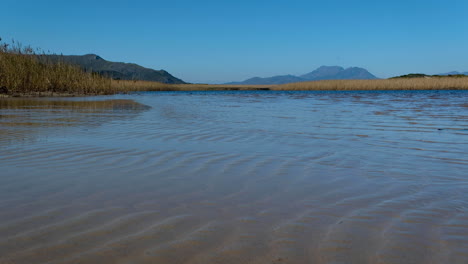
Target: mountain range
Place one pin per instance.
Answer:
(322, 73)
(132, 71)
(114, 70)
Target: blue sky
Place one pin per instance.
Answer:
(220, 41)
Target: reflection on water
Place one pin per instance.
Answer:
(22, 119)
(236, 177)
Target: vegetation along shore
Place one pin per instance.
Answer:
(25, 71)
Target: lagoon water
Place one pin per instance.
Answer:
(235, 177)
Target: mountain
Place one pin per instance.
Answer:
(114, 70)
(322, 73)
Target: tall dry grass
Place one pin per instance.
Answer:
(430, 83)
(134, 86)
(25, 72)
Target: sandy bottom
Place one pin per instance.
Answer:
(235, 177)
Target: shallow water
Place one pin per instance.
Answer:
(235, 177)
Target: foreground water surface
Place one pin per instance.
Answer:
(235, 177)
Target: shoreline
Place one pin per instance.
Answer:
(68, 95)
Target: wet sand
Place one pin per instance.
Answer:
(235, 177)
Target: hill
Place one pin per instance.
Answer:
(454, 73)
(115, 70)
(422, 75)
(322, 73)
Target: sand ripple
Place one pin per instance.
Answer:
(260, 177)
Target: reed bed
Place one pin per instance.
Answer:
(427, 83)
(135, 86)
(25, 72)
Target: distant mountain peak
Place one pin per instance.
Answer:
(324, 67)
(321, 73)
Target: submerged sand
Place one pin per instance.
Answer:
(235, 177)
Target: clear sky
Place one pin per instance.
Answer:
(220, 41)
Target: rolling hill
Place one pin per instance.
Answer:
(114, 70)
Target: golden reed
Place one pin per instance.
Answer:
(425, 83)
(24, 72)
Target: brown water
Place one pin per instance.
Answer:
(235, 177)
